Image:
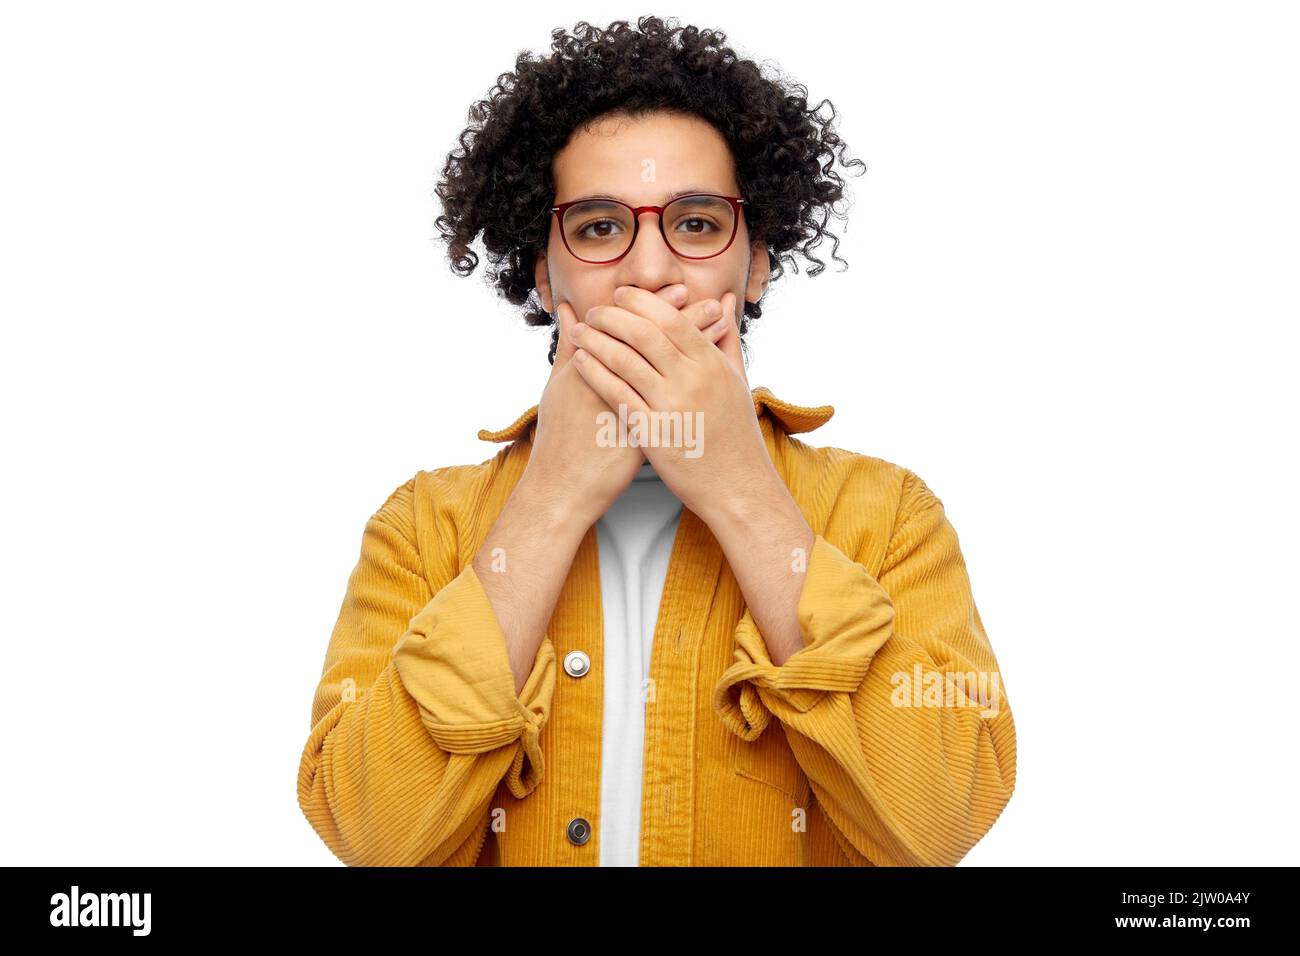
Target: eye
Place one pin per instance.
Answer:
(697, 219)
(599, 224)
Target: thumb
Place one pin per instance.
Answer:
(564, 349)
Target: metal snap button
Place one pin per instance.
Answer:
(576, 663)
(579, 831)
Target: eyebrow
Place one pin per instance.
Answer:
(684, 191)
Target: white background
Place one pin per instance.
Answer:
(229, 334)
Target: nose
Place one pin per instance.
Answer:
(649, 264)
(648, 232)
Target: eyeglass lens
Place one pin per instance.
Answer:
(600, 230)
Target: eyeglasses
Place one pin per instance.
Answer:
(601, 230)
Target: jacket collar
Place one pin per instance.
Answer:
(793, 418)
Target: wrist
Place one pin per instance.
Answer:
(550, 505)
(745, 506)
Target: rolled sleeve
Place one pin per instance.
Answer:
(453, 662)
(844, 614)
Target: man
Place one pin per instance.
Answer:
(765, 654)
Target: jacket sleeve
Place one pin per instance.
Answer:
(894, 708)
(415, 721)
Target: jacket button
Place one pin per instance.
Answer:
(579, 831)
(576, 664)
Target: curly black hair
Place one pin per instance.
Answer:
(784, 151)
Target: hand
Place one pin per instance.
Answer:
(572, 471)
(647, 356)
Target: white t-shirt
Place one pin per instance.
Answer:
(635, 540)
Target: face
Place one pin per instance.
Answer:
(643, 162)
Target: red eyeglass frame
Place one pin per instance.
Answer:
(562, 208)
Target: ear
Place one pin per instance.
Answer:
(760, 271)
(542, 280)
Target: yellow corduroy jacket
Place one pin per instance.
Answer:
(887, 740)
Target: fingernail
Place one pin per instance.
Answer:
(712, 308)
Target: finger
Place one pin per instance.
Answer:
(610, 387)
(674, 326)
(566, 317)
(641, 335)
(675, 295)
(716, 333)
(703, 316)
(695, 314)
(661, 338)
(619, 357)
(713, 326)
